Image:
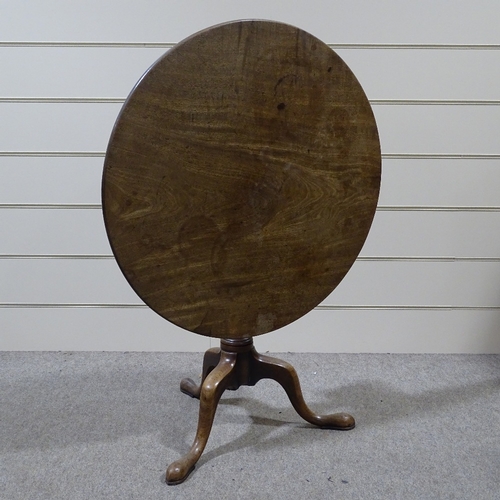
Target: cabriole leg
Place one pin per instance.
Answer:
(211, 391)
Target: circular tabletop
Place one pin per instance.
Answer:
(241, 179)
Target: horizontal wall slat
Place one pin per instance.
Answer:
(425, 74)
(51, 206)
(415, 129)
(83, 100)
(435, 156)
(442, 331)
(370, 22)
(389, 156)
(58, 127)
(320, 307)
(373, 102)
(460, 234)
(94, 329)
(73, 72)
(51, 154)
(413, 233)
(413, 182)
(419, 283)
(111, 72)
(438, 129)
(338, 45)
(380, 208)
(383, 258)
(50, 180)
(53, 232)
(58, 256)
(368, 283)
(64, 281)
(440, 182)
(318, 331)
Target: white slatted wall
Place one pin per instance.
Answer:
(428, 278)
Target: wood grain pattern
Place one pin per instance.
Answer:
(241, 179)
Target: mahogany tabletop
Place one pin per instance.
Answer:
(241, 179)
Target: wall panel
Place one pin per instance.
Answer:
(347, 21)
(432, 129)
(98, 329)
(368, 283)
(405, 182)
(50, 180)
(111, 72)
(464, 234)
(427, 278)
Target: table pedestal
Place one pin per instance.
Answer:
(237, 363)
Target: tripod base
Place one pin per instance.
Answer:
(237, 363)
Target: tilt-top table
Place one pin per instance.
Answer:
(239, 185)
